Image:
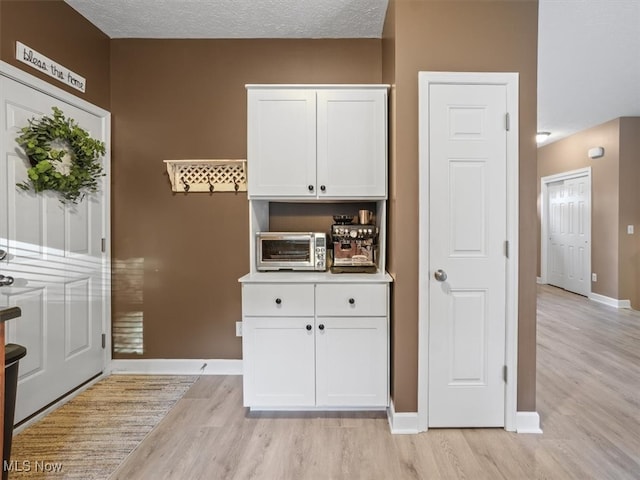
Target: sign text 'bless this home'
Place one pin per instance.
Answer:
(45, 65)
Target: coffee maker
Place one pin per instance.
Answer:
(354, 245)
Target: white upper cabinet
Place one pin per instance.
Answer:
(316, 143)
(281, 143)
(352, 143)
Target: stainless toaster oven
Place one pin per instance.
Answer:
(291, 251)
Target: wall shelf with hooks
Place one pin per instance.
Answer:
(207, 175)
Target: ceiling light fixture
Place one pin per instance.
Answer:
(541, 137)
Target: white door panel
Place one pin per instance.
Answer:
(467, 211)
(55, 256)
(31, 330)
(569, 234)
(556, 232)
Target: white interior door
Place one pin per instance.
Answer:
(468, 233)
(569, 234)
(55, 256)
(557, 235)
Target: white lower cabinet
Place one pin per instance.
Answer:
(351, 362)
(332, 351)
(279, 361)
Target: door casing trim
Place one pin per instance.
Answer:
(510, 81)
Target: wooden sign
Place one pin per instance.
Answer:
(47, 66)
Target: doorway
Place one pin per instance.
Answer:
(566, 231)
(57, 253)
(468, 249)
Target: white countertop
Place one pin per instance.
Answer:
(315, 277)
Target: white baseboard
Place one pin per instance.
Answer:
(528, 422)
(612, 302)
(402, 423)
(161, 366)
(407, 423)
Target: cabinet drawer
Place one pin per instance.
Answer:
(351, 300)
(277, 300)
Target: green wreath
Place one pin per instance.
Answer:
(62, 155)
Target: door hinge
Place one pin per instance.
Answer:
(506, 248)
(504, 373)
(104, 340)
(103, 245)
(507, 122)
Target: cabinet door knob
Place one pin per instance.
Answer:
(311, 188)
(323, 188)
(309, 327)
(352, 301)
(278, 301)
(321, 326)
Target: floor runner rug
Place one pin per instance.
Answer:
(90, 436)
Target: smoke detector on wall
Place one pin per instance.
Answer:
(596, 152)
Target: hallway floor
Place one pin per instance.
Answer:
(588, 397)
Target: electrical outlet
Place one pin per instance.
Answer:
(594, 277)
(630, 229)
(238, 329)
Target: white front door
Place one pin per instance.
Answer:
(569, 234)
(55, 256)
(467, 257)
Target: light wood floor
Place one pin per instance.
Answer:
(588, 398)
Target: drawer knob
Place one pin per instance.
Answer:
(309, 327)
(352, 301)
(310, 188)
(323, 188)
(321, 326)
(278, 301)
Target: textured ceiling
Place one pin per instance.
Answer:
(588, 52)
(588, 63)
(235, 18)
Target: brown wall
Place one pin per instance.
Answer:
(457, 36)
(615, 255)
(629, 245)
(570, 153)
(177, 257)
(57, 31)
(180, 99)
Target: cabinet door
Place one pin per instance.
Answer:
(278, 362)
(281, 143)
(352, 143)
(351, 362)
